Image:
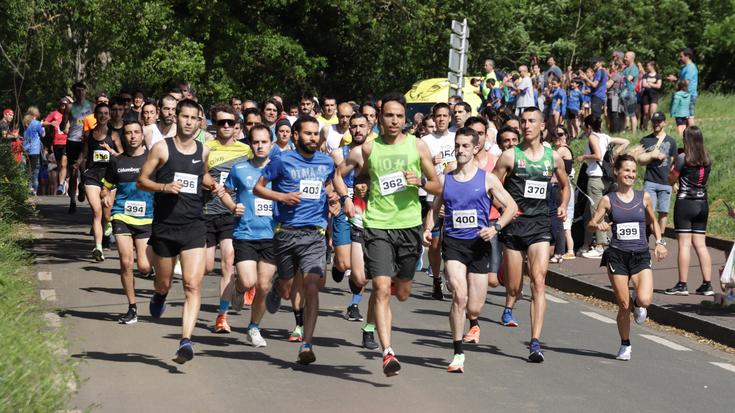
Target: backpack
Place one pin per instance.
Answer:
(606, 165)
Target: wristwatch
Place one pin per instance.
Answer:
(661, 242)
(342, 199)
(423, 182)
(497, 227)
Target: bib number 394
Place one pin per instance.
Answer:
(535, 190)
(392, 183)
(135, 208)
(628, 231)
(310, 189)
(188, 182)
(464, 218)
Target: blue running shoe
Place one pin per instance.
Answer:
(536, 355)
(507, 318)
(185, 352)
(157, 305)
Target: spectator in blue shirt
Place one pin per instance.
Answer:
(574, 104)
(598, 85)
(558, 101)
(690, 73)
(32, 143)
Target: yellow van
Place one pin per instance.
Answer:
(425, 93)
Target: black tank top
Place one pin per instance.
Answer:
(628, 223)
(97, 156)
(186, 206)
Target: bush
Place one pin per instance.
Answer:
(13, 188)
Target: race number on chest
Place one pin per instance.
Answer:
(188, 182)
(135, 208)
(310, 189)
(263, 207)
(628, 231)
(392, 183)
(535, 190)
(464, 218)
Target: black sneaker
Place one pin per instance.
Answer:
(184, 353)
(273, 300)
(106, 242)
(353, 313)
(337, 275)
(368, 340)
(72, 207)
(437, 294)
(131, 317)
(705, 289)
(679, 289)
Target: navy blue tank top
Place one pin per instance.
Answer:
(629, 223)
(466, 206)
(187, 206)
(350, 178)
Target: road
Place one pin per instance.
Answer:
(129, 368)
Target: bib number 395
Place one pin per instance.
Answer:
(188, 182)
(310, 189)
(392, 183)
(535, 190)
(263, 207)
(464, 218)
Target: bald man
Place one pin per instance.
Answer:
(333, 135)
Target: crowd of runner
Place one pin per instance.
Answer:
(281, 190)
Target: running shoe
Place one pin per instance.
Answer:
(108, 229)
(639, 313)
(306, 354)
(457, 364)
(157, 305)
(556, 259)
(623, 353)
(184, 353)
(536, 355)
(221, 326)
(97, 255)
(131, 317)
(705, 289)
(177, 268)
(679, 289)
(569, 256)
(297, 335)
(368, 340)
(60, 190)
(391, 366)
(593, 253)
(254, 338)
(81, 196)
(507, 318)
(106, 242)
(437, 292)
(273, 300)
(353, 313)
(237, 300)
(72, 207)
(250, 296)
(337, 275)
(472, 336)
(420, 262)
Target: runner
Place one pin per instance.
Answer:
(283, 140)
(56, 119)
(224, 151)
(299, 179)
(132, 213)
(80, 109)
(467, 196)
(179, 166)
(628, 259)
(253, 232)
(335, 135)
(394, 164)
(526, 172)
(167, 117)
(100, 145)
(151, 132)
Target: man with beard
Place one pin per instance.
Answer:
(167, 117)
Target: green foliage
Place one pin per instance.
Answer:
(13, 188)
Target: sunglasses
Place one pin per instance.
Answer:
(222, 123)
(561, 134)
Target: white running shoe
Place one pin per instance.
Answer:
(593, 253)
(624, 353)
(639, 313)
(457, 364)
(177, 268)
(255, 339)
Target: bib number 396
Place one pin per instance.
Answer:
(465, 218)
(188, 182)
(535, 190)
(310, 189)
(628, 231)
(392, 183)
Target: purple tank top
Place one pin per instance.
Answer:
(629, 223)
(466, 206)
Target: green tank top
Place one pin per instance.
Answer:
(392, 204)
(528, 183)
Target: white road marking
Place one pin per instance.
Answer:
(48, 294)
(44, 276)
(599, 317)
(555, 299)
(726, 366)
(664, 342)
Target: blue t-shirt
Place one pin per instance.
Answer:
(292, 172)
(574, 99)
(586, 97)
(690, 73)
(559, 101)
(32, 138)
(632, 71)
(257, 221)
(601, 90)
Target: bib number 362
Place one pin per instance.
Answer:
(464, 218)
(392, 183)
(628, 231)
(188, 182)
(535, 190)
(310, 189)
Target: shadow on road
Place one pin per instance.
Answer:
(129, 358)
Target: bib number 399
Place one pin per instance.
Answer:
(392, 183)
(465, 218)
(188, 182)
(628, 231)
(310, 189)
(535, 190)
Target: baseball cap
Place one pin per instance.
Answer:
(658, 117)
(6, 111)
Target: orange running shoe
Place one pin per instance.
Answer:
(391, 366)
(297, 335)
(221, 326)
(472, 336)
(249, 296)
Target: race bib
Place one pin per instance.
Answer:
(628, 231)
(310, 189)
(101, 155)
(350, 192)
(535, 190)
(188, 182)
(135, 208)
(263, 207)
(223, 177)
(464, 218)
(392, 183)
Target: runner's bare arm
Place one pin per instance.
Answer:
(504, 165)
(596, 223)
(432, 186)
(502, 198)
(595, 155)
(561, 176)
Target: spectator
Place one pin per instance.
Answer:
(691, 211)
(651, 84)
(558, 102)
(628, 94)
(690, 73)
(681, 105)
(32, 143)
(574, 103)
(661, 151)
(55, 119)
(6, 124)
(564, 246)
(523, 89)
(552, 70)
(598, 86)
(615, 109)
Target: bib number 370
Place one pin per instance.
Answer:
(535, 190)
(188, 182)
(310, 189)
(392, 183)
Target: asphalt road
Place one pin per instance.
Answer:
(129, 368)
